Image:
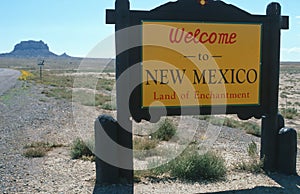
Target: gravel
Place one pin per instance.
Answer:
(27, 115)
(8, 79)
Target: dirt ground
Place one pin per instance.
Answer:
(27, 115)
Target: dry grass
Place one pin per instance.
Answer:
(39, 149)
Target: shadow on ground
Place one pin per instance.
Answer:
(110, 189)
(289, 185)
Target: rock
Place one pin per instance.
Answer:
(31, 49)
(64, 55)
(31, 45)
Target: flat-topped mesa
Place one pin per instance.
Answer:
(31, 45)
(30, 49)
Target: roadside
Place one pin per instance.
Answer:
(8, 78)
(27, 115)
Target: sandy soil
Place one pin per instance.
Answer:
(27, 115)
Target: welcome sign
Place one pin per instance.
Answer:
(200, 63)
(201, 58)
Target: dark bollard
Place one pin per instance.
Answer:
(280, 121)
(106, 148)
(287, 151)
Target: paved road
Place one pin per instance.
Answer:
(8, 79)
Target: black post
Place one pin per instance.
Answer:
(106, 149)
(287, 151)
(123, 90)
(270, 126)
(41, 70)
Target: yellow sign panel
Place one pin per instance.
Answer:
(200, 64)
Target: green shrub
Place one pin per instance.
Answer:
(252, 128)
(109, 106)
(232, 123)
(252, 150)
(218, 121)
(80, 149)
(41, 144)
(191, 166)
(144, 147)
(289, 113)
(35, 152)
(38, 149)
(144, 143)
(58, 93)
(89, 99)
(249, 127)
(255, 164)
(106, 84)
(252, 166)
(165, 131)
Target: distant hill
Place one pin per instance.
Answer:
(290, 63)
(32, 49)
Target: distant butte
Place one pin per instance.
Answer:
(32, 49)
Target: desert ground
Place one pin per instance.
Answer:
(44, 111)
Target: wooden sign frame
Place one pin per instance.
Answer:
(192, 11)
(129, 93)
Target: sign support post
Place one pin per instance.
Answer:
(41, 64)
(270, 120)
(113, 138)
(123, 90)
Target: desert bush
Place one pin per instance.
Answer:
(84, 98)
(289, 113)
(38, 149)
(51, 78)
(35, 152)
(144, 143)
(25, 75)
(218, 121)
(252, 150)
(80, 149)
(144, 147)
(252, 128)
(255, 164)
(58, 93)
(43, 145)
(89, 99)
(249, 127)
(109, 106)
(192, 166)
(165, 131)
(105, 84)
